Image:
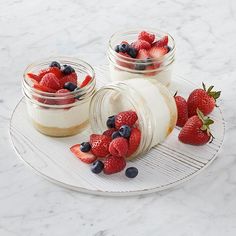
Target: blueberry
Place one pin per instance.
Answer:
(85, 147)
(140, 66)
(111, 122)
(117, 48)
(70, 86)
(97, 167)
(133, 52)
(125, 131)
(67, 70)
(124, 47)
(169, 48)
(115, 134)
(148, 61)
(131, 172)
(55, 64)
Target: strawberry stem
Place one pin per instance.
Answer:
(214, 94)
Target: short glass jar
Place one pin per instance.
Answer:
(123, 68)
(53, 114)
(153, 103)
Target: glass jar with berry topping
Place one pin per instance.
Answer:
(58, 92)
(141, 54)
(154, 105)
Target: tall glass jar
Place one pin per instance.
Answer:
(62, 114)
(123, 68)
(153, 103)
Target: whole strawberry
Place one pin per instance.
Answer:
(182, 109)
(203, 99)
(196, 131)
(126, 118)
(134, 141)
(100, 145)
(113, 164)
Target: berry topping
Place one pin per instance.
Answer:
(86, 157)
(182, 109)
(66, 70)
(132, 52)
(55, 64)
(64, 100)
(51, 81)
(124, 47)
(125, 131)
(141, 44)
(115, 134)
(157, 52)
(113, 164)
(203, 99)
(134, 141)
(34, 77)
(54, 70)
(86, 81)
(196, 131)
(126, 118)
(146, 37)
(143, 54)
(100, 145)
(109, 132)
(70, 86)
(117, 48)
(85, 147)
(131, 172)
(97, 167)
(68, 78)
(162, 42)
(118, 147)
(111, 122)
(43, 88)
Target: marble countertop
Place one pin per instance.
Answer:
(205, 35)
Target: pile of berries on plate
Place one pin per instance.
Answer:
(192, 115)
(58, 80)
(146, 49)
(109, 151)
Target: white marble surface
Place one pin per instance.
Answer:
(205, 34)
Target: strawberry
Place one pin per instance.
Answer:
(68, 78)
(141, 44)
(34, 77)
(118, 147)
(196, 131)
(109, 132)
(43, 88)
(146, 36)
(143, 54)
(162, 42)
(182, 109)
(153, 66)
(100, 145)
(126, 118)
(63, 101)
(51, 81)
(113, 165)
(86, 81)
(203, 99)
(157, 52)
(86, 157)
(124, 62)
(134, 141)
(55, 70)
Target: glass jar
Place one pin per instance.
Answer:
(123, 68)
(62, 114)
(153, 103)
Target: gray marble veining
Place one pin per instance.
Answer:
(205, 35)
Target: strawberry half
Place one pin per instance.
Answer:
(162, 42)
(134, 141)
(86, 81)
(157, 52)
(86, 157)
(100, 145)
(143, 54)
(182, 109)
(34, 77)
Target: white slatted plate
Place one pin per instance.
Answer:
(165, 166)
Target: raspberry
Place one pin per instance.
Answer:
(146, 36)
(126, 118)
(51, 81)
(113, 165)
(55, 70)
(141, 44)
(118, 147)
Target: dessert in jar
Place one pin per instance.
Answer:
(141, 54)
(58, 92)
(152, 102)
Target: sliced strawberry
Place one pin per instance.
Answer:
(100, 145)
(126, 118)
(143, 54)
(134, 141)
(51, 81)
(128, 60)
(43, 88)
(86, 81)
(113, 164)
(34, 77)
(55, 70)
(141, 44)
(146, 36)
(68, 78)
(162, 42)
(157, 52)
(86, 157)
(68, 100)
(182, 109)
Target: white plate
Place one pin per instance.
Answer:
(167, 165)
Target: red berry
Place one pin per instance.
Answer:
(182, 109)
(68, 100)
(34, 77)
(100, 145)
(126, 118)
(154, 66)
(146, 36)
(68, 78)
(43, 88)
(55, 70)
(86, 81)
(141, 44)
(118, 147)
(157, 52)
(196, 131)
(51, 81)
(109, 132)
(86, 157)
(143, 54)
(113, 164)
(125, 60)
(162, 42)
(134, 141)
